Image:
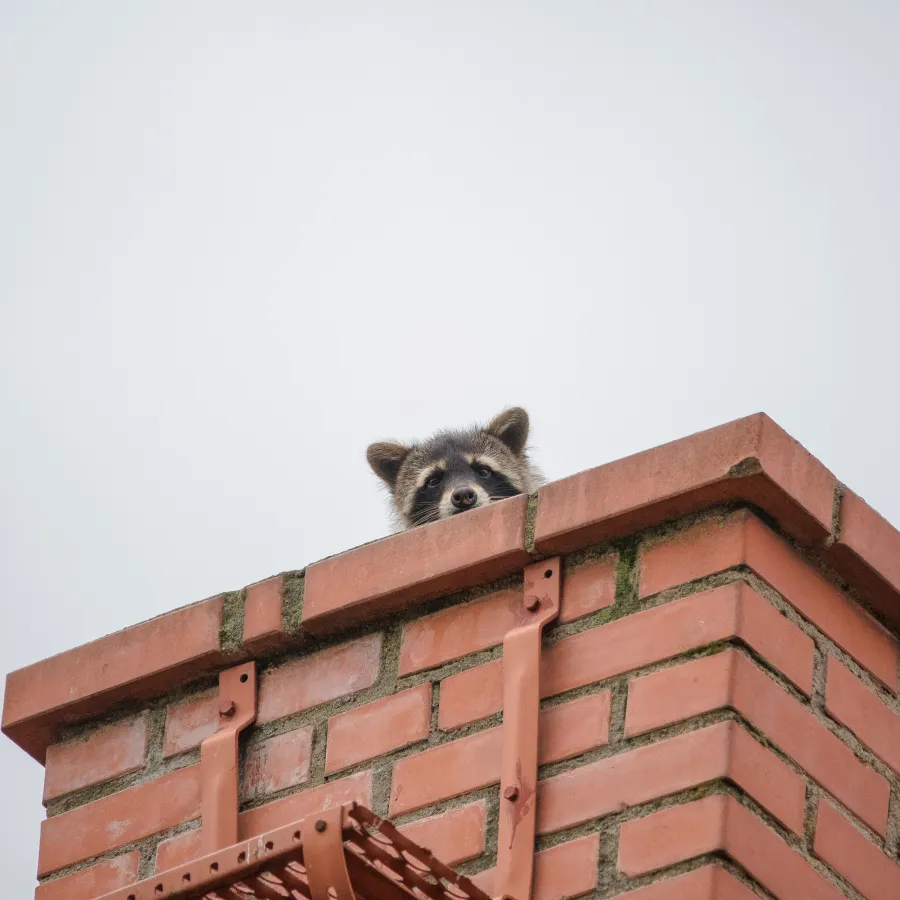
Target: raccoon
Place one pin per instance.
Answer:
(456, 470)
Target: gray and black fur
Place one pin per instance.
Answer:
(456, 470)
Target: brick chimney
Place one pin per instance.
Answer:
(719, 714)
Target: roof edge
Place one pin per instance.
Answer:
(750, 460)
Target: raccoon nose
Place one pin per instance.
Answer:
(463, 498)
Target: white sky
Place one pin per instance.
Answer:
(238, 242)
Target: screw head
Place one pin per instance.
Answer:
(321, 825)
(532, 603)
(511, 793)
(226, 710)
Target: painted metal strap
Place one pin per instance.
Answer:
(521, 707)
(323, 856)
(219, 758)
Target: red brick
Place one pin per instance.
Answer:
(188, 723)
(775, 638)
(680, 692)
(262, 614)
(378, 728)
(849, 701)
(560, 872)
(729, 679)
(403, 569)
(474, 762)
(574, 727)
(871, 537)
(119, 819)
(868, 555)
(768, 859)
(138, 662)
(454, 836)
(446, 771)
(588, 588)
(713, 824)
(700, 550)
(107, 753)
(178, 850)
(667, 837)
(289, 809)
(187, 846)
(744, 540)
(819, 601)
(708, 883)
(731, 611)
(749, 459)
(875, 875)
(318, 678)
(280, 762)
(762, 774)
(460, 630)
(472, 694)
(92, 882)
(723, 750)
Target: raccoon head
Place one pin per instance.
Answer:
(456, 471)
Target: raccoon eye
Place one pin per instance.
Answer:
(434, 479)
(482, 471)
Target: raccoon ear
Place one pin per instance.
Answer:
(511, 427)
(386, 459)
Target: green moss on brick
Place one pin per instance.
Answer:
(530, 520)
(292, 602)
(231, 631)
(627, 594)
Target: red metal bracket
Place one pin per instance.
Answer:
(219, 757)
(521, 707)
(323, 855)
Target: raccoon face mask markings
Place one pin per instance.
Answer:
(457, 470)
(496, 485)
(426, 501)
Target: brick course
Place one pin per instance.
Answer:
(106, 753)
(280, 762)
(567, 870)
(730, 680)
(119, 819)
(719, 720)
(714, 824)
(378, 728)
(94, 881)
(744, 540)
(707, 883)
(263, 614)
(473, 762)
(731, 611)
(852, 855)
(469, 627)
(858, 707)
(867, 553)
(311, 680)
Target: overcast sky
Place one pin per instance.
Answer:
(240, 241)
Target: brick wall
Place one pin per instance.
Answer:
(720, 716)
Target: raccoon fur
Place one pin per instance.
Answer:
(456, 470)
